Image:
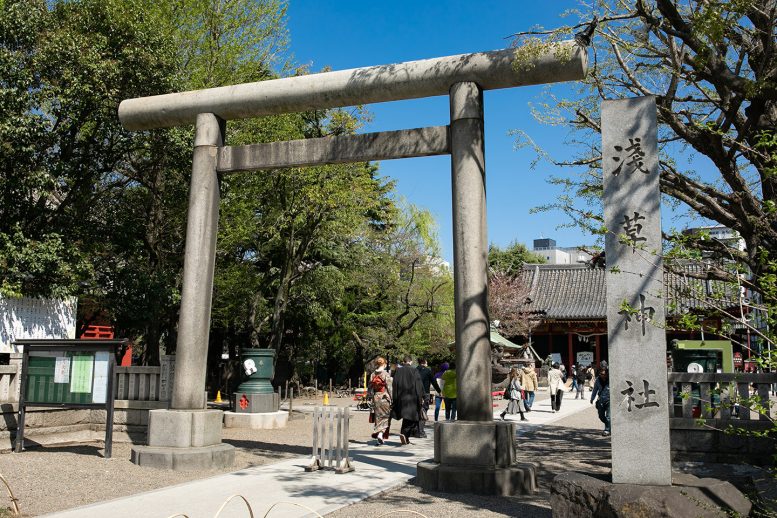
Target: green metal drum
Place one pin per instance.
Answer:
(259, 381)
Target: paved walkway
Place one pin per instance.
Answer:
(378, 469)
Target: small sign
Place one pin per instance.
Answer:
(62, 370)
(585, 358)
(738, 359)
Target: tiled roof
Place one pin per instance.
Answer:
(566, 292)
(577, 292)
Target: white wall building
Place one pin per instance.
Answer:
(560, 255)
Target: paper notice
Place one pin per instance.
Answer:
(100, 387)
(62, 369)
(81, 373)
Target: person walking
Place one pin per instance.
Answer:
(514, 391)
(407, 396)
(381, 386)
(572, 374)
(590, 376)
(449, 392)
(438, 387)
(580, 379)
(427, 382)
(555, 385)
(530, 384)
(602, 390)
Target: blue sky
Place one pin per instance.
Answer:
(346, 34)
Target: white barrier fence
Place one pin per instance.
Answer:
(330, 439)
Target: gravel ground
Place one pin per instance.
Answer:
(55, 478)
(60, 477)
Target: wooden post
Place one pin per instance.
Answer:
(597, 352)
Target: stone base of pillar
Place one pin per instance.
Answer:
(255, 403)
(184, 440)
(256, 421)
(476, 457)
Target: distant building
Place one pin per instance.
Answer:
(720, 233)
(560, 255)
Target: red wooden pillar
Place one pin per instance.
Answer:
(597, 352)
(569, 342)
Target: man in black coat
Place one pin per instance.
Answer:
(427, 381)
(407, 397)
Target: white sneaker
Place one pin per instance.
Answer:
(553, 410)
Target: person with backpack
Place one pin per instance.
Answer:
(438, 387)
(602, 389)
(380, 387)
(580, 378)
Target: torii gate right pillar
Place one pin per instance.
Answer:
(474, 454)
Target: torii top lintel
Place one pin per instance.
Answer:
(564, 61)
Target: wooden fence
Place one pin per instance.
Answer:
(330, 439)
(135, 383)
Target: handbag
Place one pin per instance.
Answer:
(372, 417)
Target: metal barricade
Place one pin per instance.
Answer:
(330, 439)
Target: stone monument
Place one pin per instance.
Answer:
(642, 481)
(635, 303)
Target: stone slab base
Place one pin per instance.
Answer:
(518, 479)
(252, 403)
(581, 496)
(184, 428)
(258, 421)
(183, 459)
(474, 443)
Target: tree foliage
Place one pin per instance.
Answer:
(309, 261)
(712, 67)
(511, 259)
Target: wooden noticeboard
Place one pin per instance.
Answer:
(68, 374)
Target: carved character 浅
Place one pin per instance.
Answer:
(634, 157)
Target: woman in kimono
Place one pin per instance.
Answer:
(380, 385)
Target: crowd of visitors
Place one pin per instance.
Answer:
(406, 394)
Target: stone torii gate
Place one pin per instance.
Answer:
(473, 454)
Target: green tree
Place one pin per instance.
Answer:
(511, 259)
(64, 69)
